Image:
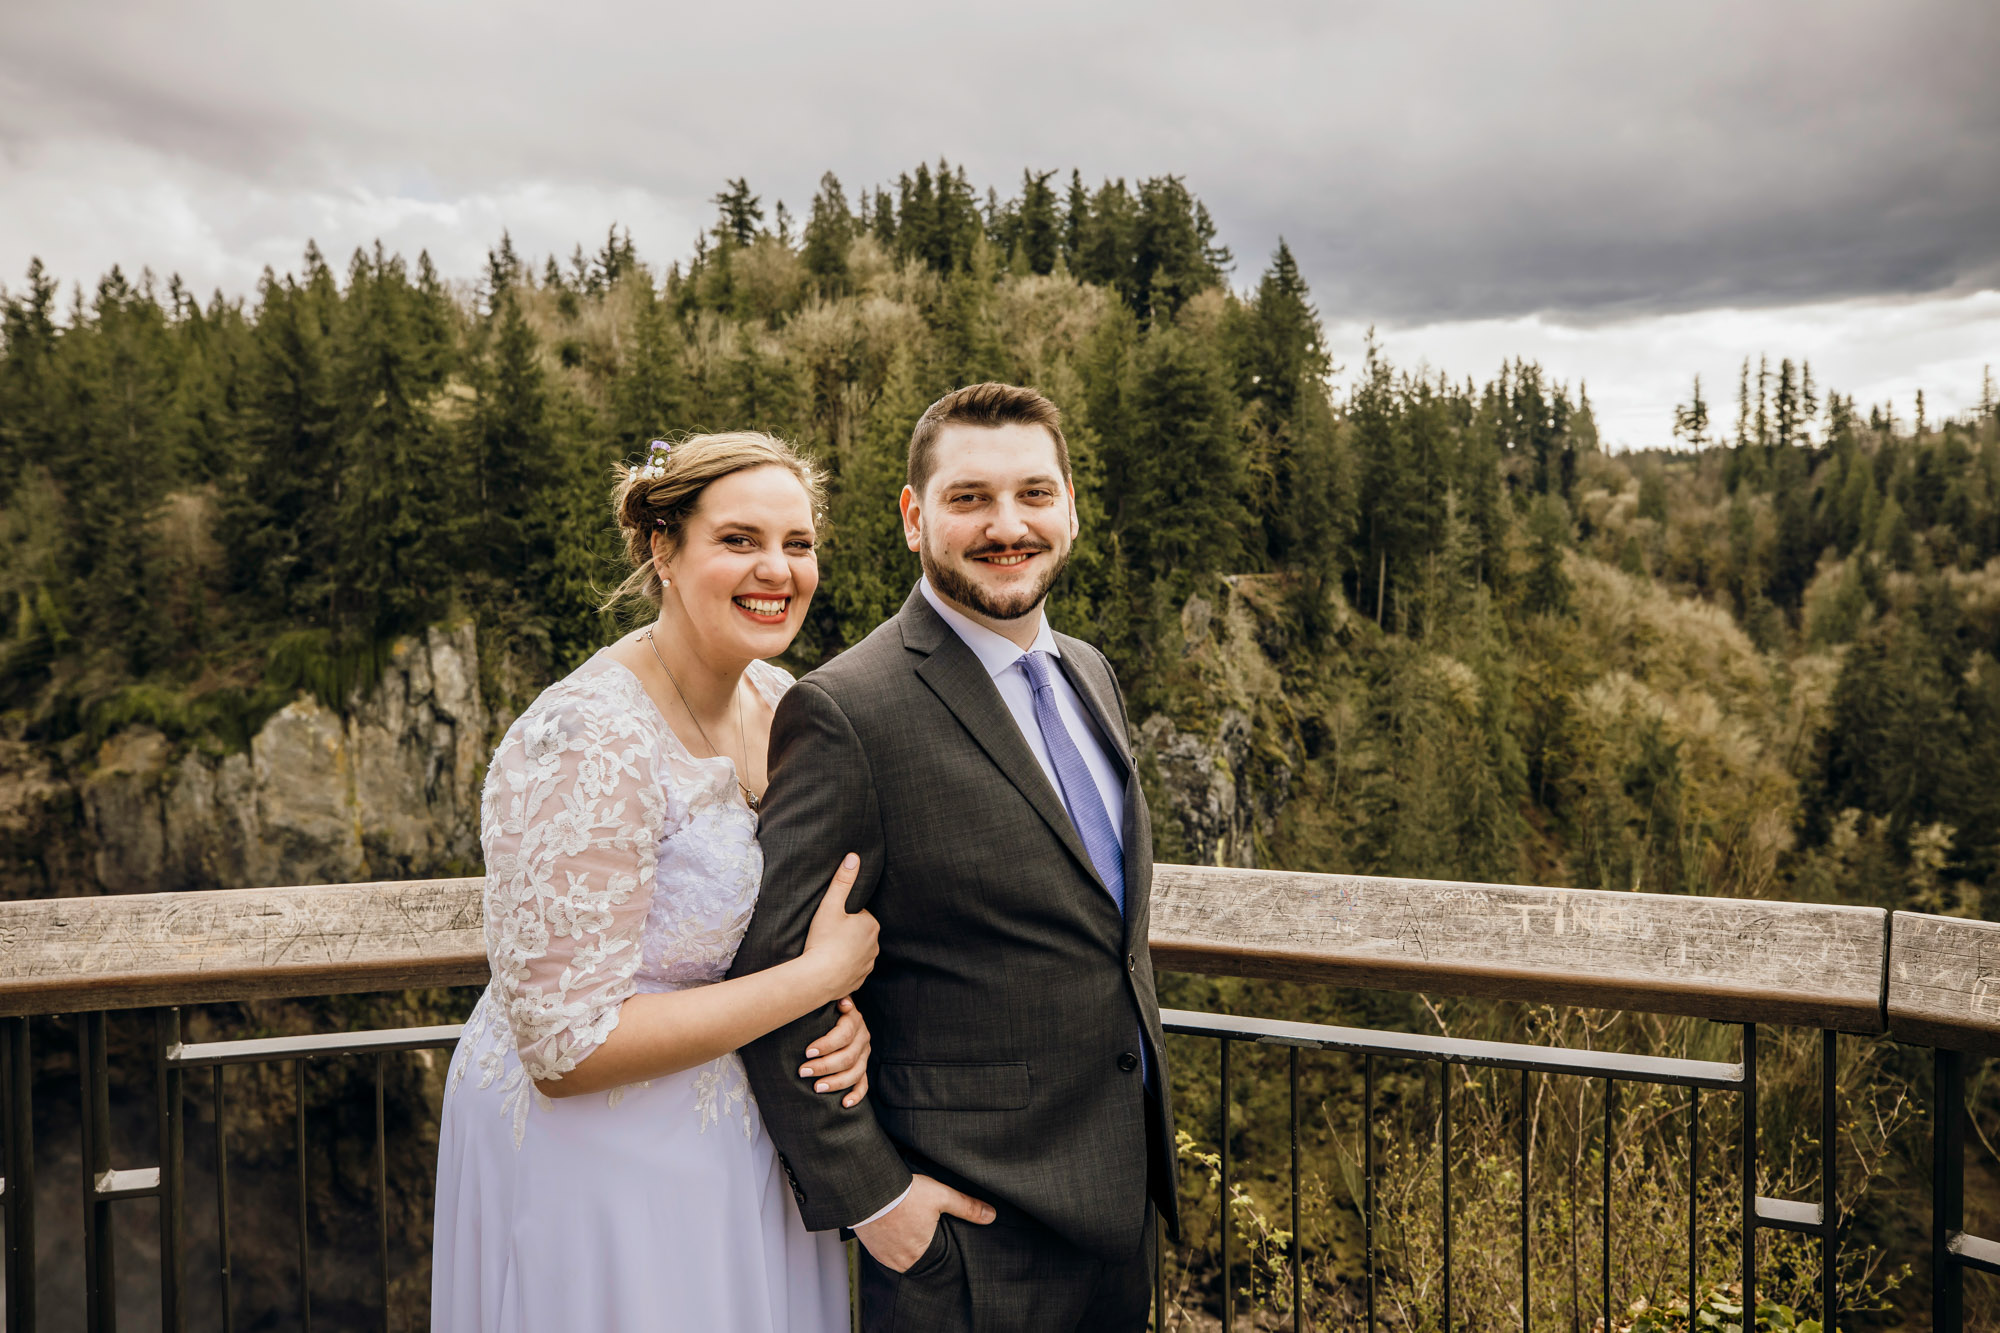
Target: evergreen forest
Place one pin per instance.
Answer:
(1432, 627)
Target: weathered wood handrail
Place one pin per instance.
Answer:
(1930, 980)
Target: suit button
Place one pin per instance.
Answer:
(1131, 962)
(1128, 1062)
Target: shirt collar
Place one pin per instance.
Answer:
(995, 652)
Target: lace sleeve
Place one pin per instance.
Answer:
(571, 822)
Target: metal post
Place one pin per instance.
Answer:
(305, 1247)
(1444, 1179)
(1298, 1245)
(1604, 1230)
(20, 1168)
(1694, 1163)
(1228, 1305)
(1749, 1175)
(1526, 1288)
(1947, 1191)
(100, 1308)
(222, 1203)
(381, 1192)
(1368, 1179)
(1829, 1181)
(173, 1220)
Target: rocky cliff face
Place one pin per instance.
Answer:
(388, 791)
(1220, 757)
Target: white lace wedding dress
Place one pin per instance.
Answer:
(616, 863)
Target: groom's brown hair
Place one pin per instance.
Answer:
(989, 404)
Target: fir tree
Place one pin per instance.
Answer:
(1691, 419)
(1041, 238)
(738, 214)
(830, 228)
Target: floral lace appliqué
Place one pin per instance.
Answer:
(617, 861)
(722, 1089)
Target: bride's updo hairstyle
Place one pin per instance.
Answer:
(662, 493)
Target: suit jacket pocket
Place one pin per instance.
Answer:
(913, 1086)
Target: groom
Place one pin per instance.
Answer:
(1016, 1147)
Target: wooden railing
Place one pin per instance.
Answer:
(1916, 979)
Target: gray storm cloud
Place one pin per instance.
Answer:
(1427, 162)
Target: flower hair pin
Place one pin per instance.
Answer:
(657, 456)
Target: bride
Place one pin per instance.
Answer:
(601, 1163)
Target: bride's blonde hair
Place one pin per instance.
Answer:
(660, 495)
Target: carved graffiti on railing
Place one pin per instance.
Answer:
(1735, 960)
(226, 944)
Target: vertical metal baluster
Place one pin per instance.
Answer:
(1228, 1306)
(173, 1179)
(1523, 1131)
(20, 1167)
(1604, 1261)
(100, 1307)
(1749, 1175)
(1444, 1179)
(382, 1191)
(1298, 1245)
(222, 1201)
(1694, 1161)
(1947, 1190)
(1368, 1178)
(305, 1252)
(1828, 1180)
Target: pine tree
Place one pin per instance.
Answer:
(651, 395)
(738, 214)
(516, 457)
(401, 476)
(1184, 466)
(1548, 589)
(1171, 258)
(867, 568)
(830, 228)
(1691, 420)
(1041, 239)
(1076, 211)
(28, 336)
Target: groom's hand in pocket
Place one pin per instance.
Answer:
(900, 1236)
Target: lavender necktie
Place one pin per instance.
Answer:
(1079, 789)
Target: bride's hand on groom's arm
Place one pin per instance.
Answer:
(900, 1236)
(840, 943)
(839, 1060)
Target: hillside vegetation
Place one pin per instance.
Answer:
(1763, 666)
(1369, 619)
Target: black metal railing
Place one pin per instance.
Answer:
(108, 1181)
(1818, 1219)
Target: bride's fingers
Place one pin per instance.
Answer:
(842, 1034)
(837, 1062)
(842, 1080)
(860, 1091)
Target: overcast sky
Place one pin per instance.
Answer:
(1630, 193)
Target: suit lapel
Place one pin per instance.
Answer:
(960, 682)
(1103, 708)
(1102, 700)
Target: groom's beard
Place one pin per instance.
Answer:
(951, 583)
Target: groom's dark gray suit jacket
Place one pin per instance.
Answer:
(1010, 997)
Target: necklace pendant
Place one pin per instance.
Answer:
(750, 798)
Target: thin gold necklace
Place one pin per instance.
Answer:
(749, 797)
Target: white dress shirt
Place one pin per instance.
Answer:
(1002, 659)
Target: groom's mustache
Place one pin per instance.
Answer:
(1009, 548)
